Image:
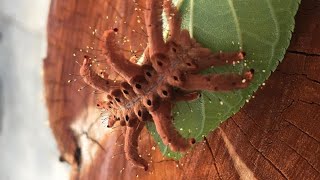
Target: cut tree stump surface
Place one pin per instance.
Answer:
(274, 136)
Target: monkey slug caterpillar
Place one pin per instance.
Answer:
(169, 73)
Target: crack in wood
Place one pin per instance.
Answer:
(297, 74)
(303, 131)
(292, 102)
(287, 107)
(260, 152)
(213, 157)
(93, 140)
(166, 160)
(304, 158)
(303, 53)
(309, 102)
(288, 145)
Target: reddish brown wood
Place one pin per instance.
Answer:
(275, 136)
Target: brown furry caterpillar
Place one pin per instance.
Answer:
(169, 73)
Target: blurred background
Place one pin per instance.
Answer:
(27, 146)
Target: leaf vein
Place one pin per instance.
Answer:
(237, 23)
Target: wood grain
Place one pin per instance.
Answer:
(275, 136)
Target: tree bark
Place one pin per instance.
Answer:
(274, 136)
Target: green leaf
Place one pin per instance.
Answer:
(261, 28)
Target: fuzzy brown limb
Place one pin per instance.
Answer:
(217, 82)
(131, 145)
(217, 59)
(116, 60)
(174, 19)
(91, 78)
(165, 128)
(199, 52)
(184, 39)
(153, 22)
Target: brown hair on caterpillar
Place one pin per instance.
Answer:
(170, 73)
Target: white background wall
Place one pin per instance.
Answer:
(27, 147)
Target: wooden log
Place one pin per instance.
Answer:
(275, 136)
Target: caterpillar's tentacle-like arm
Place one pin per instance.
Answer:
(217, 82)
(217, 59)
(168, 133)
(185, 40)
(91, 78)
(174, 19)
(116, 60)
(200, 58)
(131, 145)
(153, 22)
